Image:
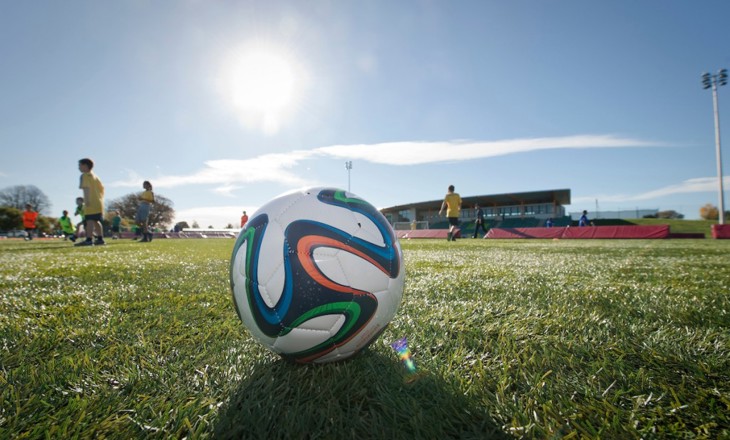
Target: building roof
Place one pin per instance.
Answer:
(557, 196)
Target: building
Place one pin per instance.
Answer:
(623, 214)
(539, 205)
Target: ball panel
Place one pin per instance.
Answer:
(300, 340)
(244, 313)
(348, 269)
(354, 346)
(270, 267)
(329, 323)
(367, 230)
(310, 208)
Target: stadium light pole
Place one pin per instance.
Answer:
(348, 166)
(712, 81)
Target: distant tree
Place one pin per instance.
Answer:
(229, 226)
(17, 196)
(709, 212)
(210, 226)
(671, 214)
(195, 225)
(179, 226)
(161, 214)
(126, 205)
(45, 224)
(10, 218)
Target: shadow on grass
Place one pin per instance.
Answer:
(366, 397)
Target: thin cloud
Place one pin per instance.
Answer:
(278, 168)
(273, 168)
(226, 190)
(696, 185)
(417, 153)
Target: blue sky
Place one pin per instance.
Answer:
(223, 105)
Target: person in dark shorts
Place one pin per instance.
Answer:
(452, 204)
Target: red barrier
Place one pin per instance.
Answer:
(525, 233)
(634, 231)
(720, 231)
(595, 232)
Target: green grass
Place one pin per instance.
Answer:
(680, 226)
(513, 339)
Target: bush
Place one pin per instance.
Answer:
(10, 218)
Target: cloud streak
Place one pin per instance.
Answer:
(418, 153)
(229, 174)
(696, 185)
(272, 168)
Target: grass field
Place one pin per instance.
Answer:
(512, 339)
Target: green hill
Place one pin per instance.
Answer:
(679, 226)
(676, 226)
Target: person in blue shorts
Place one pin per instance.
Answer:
(146, 199)
(583, 221)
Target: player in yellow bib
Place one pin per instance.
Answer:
(452, 204)
(93, 203)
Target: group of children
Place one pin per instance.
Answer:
(90, 208)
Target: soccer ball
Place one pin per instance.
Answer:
(317, 274)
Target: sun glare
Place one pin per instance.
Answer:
(262, 85)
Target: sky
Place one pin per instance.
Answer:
(223, 105)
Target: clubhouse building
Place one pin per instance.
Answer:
(528, 208)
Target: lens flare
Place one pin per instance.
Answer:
(404, 354)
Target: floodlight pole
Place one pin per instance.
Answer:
(718, 154)
(348, 166)
(712, 81)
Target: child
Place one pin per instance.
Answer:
(452, 204)
(146, 199)
(29, 219)
(93, 203)
(583, 221)
(116, 225)
(80, 212)
(67, 227)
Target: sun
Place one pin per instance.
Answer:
(262, 83)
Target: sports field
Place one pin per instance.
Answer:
(512, 339)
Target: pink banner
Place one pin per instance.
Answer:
(720, 231)
(426, 233)
(525, 233)
(634, 231)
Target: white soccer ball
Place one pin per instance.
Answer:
(317, 274)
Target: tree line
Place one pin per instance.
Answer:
(13, 200)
